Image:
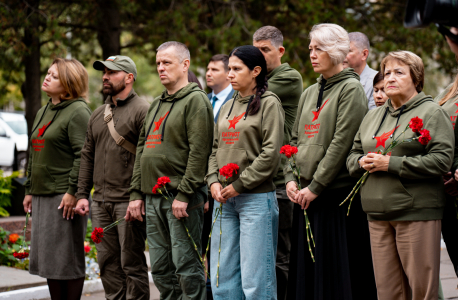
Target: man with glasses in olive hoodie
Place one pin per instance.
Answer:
(176, 142)
(286, 83)
(107, 164)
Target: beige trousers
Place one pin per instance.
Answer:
(406, 253)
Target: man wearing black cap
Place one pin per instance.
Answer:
(107, 162)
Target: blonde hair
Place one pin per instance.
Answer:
(333, 39)
(73, 77)
(452, 92)
(410, 59)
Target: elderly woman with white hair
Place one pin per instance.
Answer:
(328, 117)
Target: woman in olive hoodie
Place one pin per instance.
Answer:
(249, 133)
(328, 118)
(448, 99)
(58, 132)
(404, 194)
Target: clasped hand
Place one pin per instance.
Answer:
(302, 197)
(222, 195)
(374, 162)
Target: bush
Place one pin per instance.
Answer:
(10, 243)
(5, 192)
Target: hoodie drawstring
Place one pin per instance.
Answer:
(49, 124)
(320, 94)
(165, 121)
(230, 110)
(383, 119)
(247, 108)
(41, 118)
(399, 116)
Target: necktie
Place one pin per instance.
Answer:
(214, 99)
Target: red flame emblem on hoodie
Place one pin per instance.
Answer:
(382, 138)
(158, 123)
(235, 120)
(317, 113)
(42, 129)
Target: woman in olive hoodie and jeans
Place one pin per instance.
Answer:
(404, 194)
(328, 118)
(249, 133)
(58, 132)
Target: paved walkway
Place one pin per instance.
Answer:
(101, 296)
(12, 277)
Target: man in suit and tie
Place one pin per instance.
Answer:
(217, 71)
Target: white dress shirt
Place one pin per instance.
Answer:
(221, 97)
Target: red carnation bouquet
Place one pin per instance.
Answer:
(423, 136)
(97, 234)
(157, 189)
(290, 153)
(23, 252)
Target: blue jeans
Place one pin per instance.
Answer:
(248, 248)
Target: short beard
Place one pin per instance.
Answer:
(114, 90)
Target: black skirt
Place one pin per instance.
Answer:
(343, 262)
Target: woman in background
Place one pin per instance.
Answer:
(379, 90)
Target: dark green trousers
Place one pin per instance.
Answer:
(176, 269)
(121, 254)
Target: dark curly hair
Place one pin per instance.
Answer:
(252, 57)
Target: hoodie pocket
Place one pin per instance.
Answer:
(237, 156)
(42, 181)
(153, 167)
(308, 158)
(384, 193)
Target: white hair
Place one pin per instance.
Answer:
(360, 40)
(182, 52)
(333, 39)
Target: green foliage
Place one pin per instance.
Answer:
(88, 241)
(5, 192)
(8, 247)
(207, 27)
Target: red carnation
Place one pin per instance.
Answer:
(288, 150)
(155, 189)
(228, 170)
(416, 124)
(425, 137)
(97, 235)
(162, 181)
(21, 255)
(87, 248)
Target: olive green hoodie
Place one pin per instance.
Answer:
(57, 138)
(451, 106)
(324, 135)
(286, 83)
(412, 189)
(175, 141)
(251, 141)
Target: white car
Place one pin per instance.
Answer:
(13, 140)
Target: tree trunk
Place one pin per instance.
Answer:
(31, 87)
(109, 27)
(108, 30)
